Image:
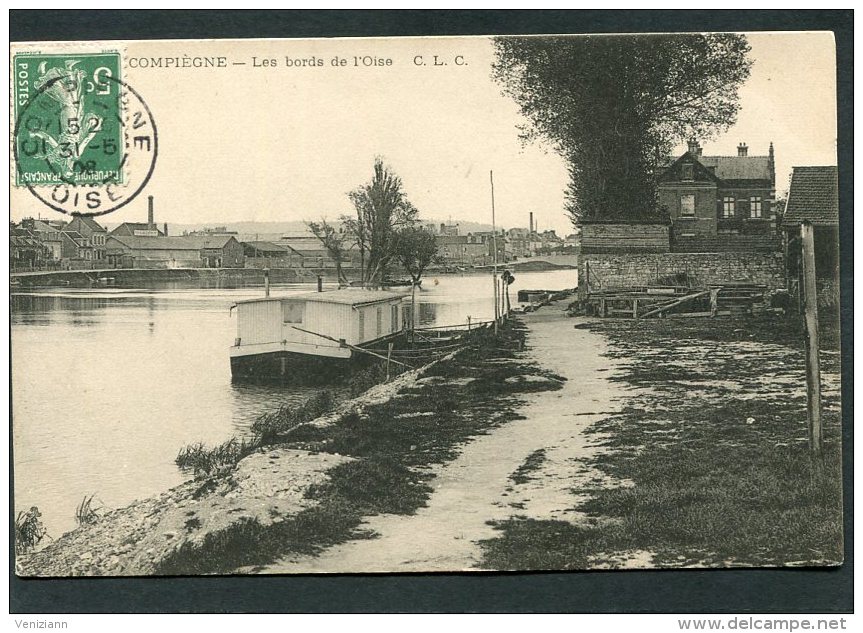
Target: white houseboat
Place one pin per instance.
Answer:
(308, 337)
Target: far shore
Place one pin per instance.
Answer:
(142, 277)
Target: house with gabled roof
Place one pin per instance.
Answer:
(813, 197)
(93, 231)
(717, 203)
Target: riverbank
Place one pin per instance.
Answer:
(711, 441)
(147, 277)
(524, 467)
(374, 454)
(229, 277)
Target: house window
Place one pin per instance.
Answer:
(755, 207)
(687, 172)
(380, 321)
(362, 319)
(728, 207)
(687, 205)
(292, 312)
(394, 318)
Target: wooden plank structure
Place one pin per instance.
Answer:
(645, 302)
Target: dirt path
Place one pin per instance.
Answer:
(477, 487)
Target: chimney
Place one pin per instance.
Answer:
(742, 149)
(165, 227)
(531, 222)
(150, 222)
(694, 147)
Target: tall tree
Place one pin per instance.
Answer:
(381, 209)
(614, 106)
(333, 240)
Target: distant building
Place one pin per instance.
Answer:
(518, 242)
(215, 230)
(490, 240)
(459, 250)
(47, 233)
(77, 250)
(94, 232)
(147, 251)
(141, 229)
(26, 250)
(448, 229)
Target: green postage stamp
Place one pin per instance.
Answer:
(68, 119)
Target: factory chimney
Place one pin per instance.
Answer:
(531, 223)
(151, 224)
(165, 226)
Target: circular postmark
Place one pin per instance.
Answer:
(84, 156)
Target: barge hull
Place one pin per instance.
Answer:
(294, 368)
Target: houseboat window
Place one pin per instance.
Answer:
(394, 318)
(687, 204)
(687, 172)
(380, 321)
(755, 207)
(728, 207)
(292, 311)
(362, 316)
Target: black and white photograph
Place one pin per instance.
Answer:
(375, 305)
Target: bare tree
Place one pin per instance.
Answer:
(333, 240)
(381, 209)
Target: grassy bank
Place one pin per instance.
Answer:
(393, 446)
(710, 450)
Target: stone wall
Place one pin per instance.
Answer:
(624, 237)
(623, 270)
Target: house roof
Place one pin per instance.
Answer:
(267, 247)
(208, 241)
(147, 242)
(135, 226)
(89, 222)
(346, 296)
(813, 196)
(39, 226)
(738, 167)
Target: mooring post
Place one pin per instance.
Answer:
(320, 283)
(266, 282)
(389, 356)
(811, 343)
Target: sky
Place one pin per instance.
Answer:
(249, 142)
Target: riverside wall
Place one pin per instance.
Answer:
(598, 271)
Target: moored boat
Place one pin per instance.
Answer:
(313, 337)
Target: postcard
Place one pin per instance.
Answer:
(425, 304)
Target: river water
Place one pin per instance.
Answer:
(109, 384)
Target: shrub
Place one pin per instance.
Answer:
(266, 430)
(86, 513)
(29, 530)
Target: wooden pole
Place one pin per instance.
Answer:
(810, 318)
(413, 311)
(389, 356)
(494, 246)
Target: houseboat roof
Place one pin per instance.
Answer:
(346, 296)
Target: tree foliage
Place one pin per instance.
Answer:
(415, 249)
(382, 208)
(333, 239)
(614, 106)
